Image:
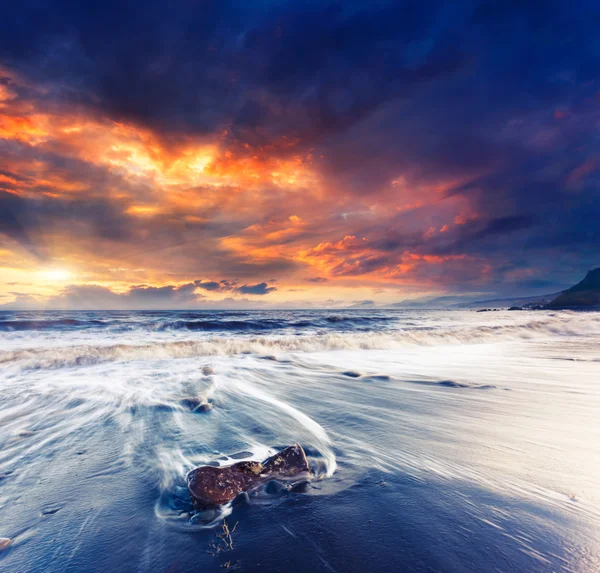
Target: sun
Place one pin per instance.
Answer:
(55, 275)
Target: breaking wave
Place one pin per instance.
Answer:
(555, 325)
(153, 321)
(51, 324)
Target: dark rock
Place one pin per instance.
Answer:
(275, 487)
(515, 308)
(351, 374)
(240, 455)
(241, 499)
(300, 487)
(162, 407)
(196, 404)
(452, 384)
(289, 462)
(190, 403)
(210, 486)
(26, 433)
(378, 378)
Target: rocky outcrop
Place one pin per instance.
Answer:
(210, 486)
(584, 294)
(287, 463)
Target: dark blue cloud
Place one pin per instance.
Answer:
(232, 286)
(259, 289)
(209, 285)
(137, 297)
(263, 69)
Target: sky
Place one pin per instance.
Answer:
(204, 154)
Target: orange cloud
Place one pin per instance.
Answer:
(138, 154)
(131, 198)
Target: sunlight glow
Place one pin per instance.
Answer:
(55, 275)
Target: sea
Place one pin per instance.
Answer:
(441, 441)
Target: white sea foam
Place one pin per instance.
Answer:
(541, 327)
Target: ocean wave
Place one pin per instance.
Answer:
(221, 325)
(202, 322)
(267, 324)
(51, 324)
(85, 354)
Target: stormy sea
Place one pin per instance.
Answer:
(444, 441)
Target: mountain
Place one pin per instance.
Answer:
(585, 293)
(363, 304)
(522, 301)
(436, 302)
(469, 302)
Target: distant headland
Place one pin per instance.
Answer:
(584, 294)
